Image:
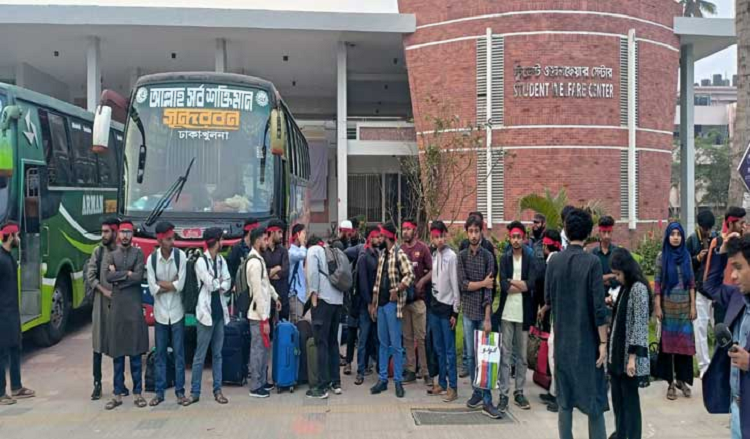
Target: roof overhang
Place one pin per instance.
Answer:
(707, 35)
(207, 17)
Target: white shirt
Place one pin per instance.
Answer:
(211, 281)
(513, 311)
(167, 304)
(565, 240)
(260, 288)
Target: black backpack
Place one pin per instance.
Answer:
(192, 286)
(176, 255)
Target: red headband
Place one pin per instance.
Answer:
(168, 234)
(549, 242)
(345, 229)
(273, 229)
(9, 229)
(436, 233)
(387, 234)
(250, 227)
(518, 230)
(126, 226)
(606, 228)
(729, 220)
(373, 234)
(409, 225)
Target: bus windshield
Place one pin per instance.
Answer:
(223, 127)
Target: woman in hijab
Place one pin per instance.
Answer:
(674, 307)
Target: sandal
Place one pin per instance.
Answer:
(140, 401)
(685, 389)
(219, 397)
(181, 400)
(189, 401)
(671, 393)
(113, 404)
(359, 380)
(23, 393)
(7, 400)
(156, 401)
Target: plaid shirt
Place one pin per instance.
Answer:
(395, 278)
(474, 267)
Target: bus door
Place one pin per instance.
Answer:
(31, 242)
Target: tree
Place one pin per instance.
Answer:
(713, 161)
(741, 127)
(696, 8)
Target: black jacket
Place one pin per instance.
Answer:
(10, 317)
(506, 274)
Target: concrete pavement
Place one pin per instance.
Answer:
(61, 376)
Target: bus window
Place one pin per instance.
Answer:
(56, 151)
(108, 163)
(86, 172)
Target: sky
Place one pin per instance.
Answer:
(724, 62)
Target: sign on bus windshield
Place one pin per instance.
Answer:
(223, 127)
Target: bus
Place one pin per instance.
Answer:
(58, 190)
(205, 149)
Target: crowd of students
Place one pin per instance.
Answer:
(404, 304)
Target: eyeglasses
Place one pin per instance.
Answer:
(126, 232)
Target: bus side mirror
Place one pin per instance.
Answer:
(10, 113)
(278, 132)
(102, 123)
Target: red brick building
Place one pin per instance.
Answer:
(559, 98)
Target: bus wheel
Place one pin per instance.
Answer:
(53, 332)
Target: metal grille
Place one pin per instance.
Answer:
(366, 196)
(624, 68)
(498, 81)
(456, 416)
(636, 85)
(498, 183)
(624, 200)
(481, 81)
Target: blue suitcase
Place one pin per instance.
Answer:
(286, 353)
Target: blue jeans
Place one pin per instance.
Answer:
(136, 372)
(444, 341)
(736, 429)
(213, 336)
(389, 333)
(365, 326)
(469, 327)
(162, 334)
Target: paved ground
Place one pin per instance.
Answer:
(62, 409)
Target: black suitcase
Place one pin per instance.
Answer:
(236, 352)
(305, 333)
(150, 378)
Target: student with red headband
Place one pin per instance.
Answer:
(604, 252)
(367, 267)
(276, 256)
(415, 313)
(551, 245)
(10, 318)
(165, 271)
(734, 222)
(517, 314)
(127, 332)
(101, 290)
(238, 253)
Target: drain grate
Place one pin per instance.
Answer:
(457, 416)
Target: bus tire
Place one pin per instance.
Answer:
(52, 332)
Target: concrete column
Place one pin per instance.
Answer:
(687, 138)
(342, 144)
(221, 55)
(93, 74)
(632, 183)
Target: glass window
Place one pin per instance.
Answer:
(86, 167)
(56, 150)
(108, 162)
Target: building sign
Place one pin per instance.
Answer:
(201, 119)
(579, 82)
(202, 97)
(92, 205)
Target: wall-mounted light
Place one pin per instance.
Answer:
(286, 58)
(174, 55)
(294, 83)
(57, 53)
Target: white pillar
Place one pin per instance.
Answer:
(687, 139)
(221, 55)
(342, 152)
(93, 74)
(488, 128)
(632, 183)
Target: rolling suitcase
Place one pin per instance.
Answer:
(236, 352)
(286, 354)
(312, 363)
(305, 333)
(542, 373)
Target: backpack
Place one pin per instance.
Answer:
(340, 272)
(242, 287)
(176, 255)
(87, 286)
(411, 291)
(192, 286)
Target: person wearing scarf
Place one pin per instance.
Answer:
(674, 287)
(629, 365)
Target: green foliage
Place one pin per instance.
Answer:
(548, 205)
(696, 8)
(647, 250)
(456, 237)
(713, 164)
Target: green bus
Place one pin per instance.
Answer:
(207, 149)
(58, 190)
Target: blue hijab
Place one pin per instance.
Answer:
(671, 258)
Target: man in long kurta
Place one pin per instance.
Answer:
(10, 319)
(127, 334)
(575, 290)
(96, 280)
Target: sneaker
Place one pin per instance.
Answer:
(336, 388)
(502, 404)
(491, 411)
(380, 387)
(268, 387)
(317, 394)
(259, 393)
(463, 373)
(409, 377)
(475, 401)
(399, 390)
(521, 401)
(547, 398)
(451, 395)
(552, 407)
